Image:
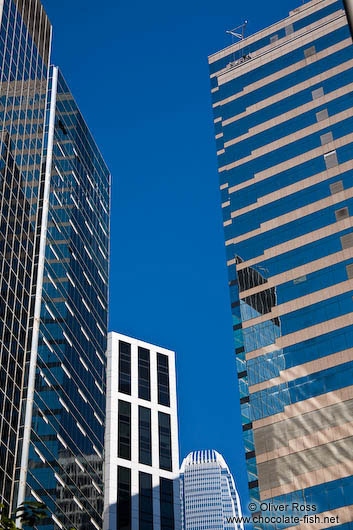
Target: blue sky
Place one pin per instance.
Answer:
(139, 73)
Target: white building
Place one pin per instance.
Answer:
(141, 439)
(209, 499)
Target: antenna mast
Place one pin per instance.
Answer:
(236, 33)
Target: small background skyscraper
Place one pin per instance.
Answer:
(55, 201)
(283, 114)
(208, 497)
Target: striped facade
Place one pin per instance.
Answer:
(283, 115)
(208, 497)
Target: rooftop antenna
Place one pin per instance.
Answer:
(236, 33)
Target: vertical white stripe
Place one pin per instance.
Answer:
(38, 300)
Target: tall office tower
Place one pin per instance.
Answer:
(24, 61)
(283, 114)
(141, 440)
(55, 200)
(209, 499)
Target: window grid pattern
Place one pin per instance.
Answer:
(208, 494)
(24, 52)
(69, 407)
(283, 130)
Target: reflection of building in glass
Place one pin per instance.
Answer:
(283, 123)
(209, 499)
(67, 502)
(141, 439)
(24, 51)
(69, 398)
(54, 221)
(16, 247)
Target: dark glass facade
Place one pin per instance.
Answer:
(24, 56)
(54, 221)
(282, 102)
(69, 399)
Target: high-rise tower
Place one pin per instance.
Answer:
(283, 114)
(24, 65)
(55, 205)
(208, 495)
(141, 444)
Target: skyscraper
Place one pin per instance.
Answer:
(209, 499)
(24, 57)
(283, 114)
(141, 440)
(54, 282)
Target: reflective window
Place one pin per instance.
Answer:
(336, 187)
(331, 159)
(342, 213)
(145, 502)
(124, 499)
(166, 504)
(322, 115)
(145, 436)
(163, 379)
(317, 93)
(124, 367)
(165, 441)
(144, 383)
(289, 29)
(309, 51)
(124, 429)
(326, 138)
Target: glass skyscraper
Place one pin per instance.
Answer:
(55, 202)
(283, 114)
(208, 497)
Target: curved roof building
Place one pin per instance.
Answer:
(209, 499)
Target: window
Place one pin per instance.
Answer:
(166, 504)
(349, 269)
(347, 240)
(342, 213)
(145, 502)
(124, 367)
(301, 279)
(144, 374)
(124, 498)
(289, 29)
(331, 159)
(317, 93)
(274, 38)
(309, 52)
(336, 187)
(163, 379)
(124, 429)
(322, 115)
(145, 437)
(326, 138)
(165, 442)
